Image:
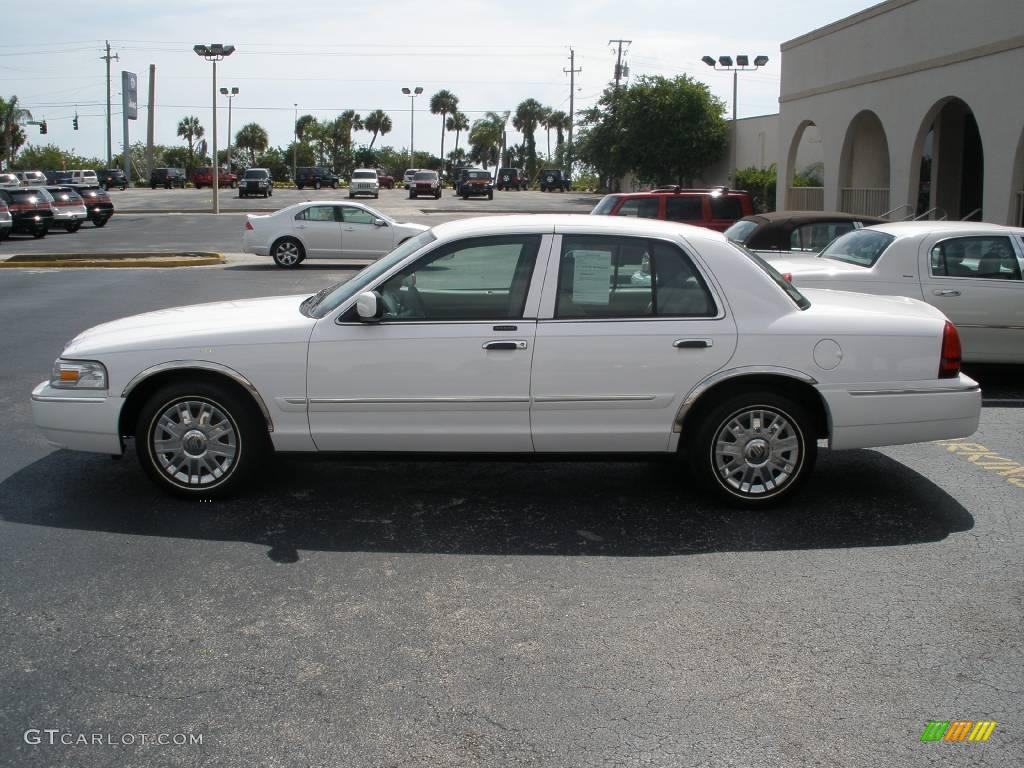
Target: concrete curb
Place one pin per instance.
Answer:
(112, 260)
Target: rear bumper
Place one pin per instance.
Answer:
(80, 421)
(865, 416)
(70, 214)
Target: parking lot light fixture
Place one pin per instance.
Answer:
(724, 64)
(231, 95)
(214, 52)
(412, 94)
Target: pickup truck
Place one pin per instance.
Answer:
(203, 177)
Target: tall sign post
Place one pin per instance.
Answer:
(129, 111)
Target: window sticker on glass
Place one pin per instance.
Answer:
(590, 276)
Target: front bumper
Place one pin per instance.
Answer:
(364, 189)
(867, 416)
(78, 420)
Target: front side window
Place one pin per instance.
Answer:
(352, 215)
(613, 277)
(815, 236)
(604, 207)
(484, 278)
(861, 247)
(364, 175)
(640, 207)
(316, 213)
(988, 258)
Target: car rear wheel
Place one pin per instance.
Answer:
(316, 184)
(490, 195)
(753, 449)
(99, 223)
(288, 252)
(199, 439)
(234, 184)
(300, 186)
(334, 185)
(40, 232)
(73, 226)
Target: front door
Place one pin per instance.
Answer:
(448, 366)
(632, 327)
(361, 238)
(976, 281)
(318, 227)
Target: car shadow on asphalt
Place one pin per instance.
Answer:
(621, 509)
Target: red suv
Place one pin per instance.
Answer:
(717, 208)
(203, 177)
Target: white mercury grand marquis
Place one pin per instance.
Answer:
(521, 334)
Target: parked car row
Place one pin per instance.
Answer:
(36, 210)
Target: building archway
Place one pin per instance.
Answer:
(864, 167)
(804, 171)
(1017, 184)
(949, 161)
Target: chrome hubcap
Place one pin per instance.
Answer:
(288, 253)
(195, 443)
(757, 452)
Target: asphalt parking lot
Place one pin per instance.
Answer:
(435, 614)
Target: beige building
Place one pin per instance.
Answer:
(918, 106)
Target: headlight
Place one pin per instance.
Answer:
(78, 374)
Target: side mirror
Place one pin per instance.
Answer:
(369, 307)
(379, 223)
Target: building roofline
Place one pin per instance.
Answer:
(849, 21)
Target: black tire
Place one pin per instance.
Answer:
(287, 252)
(779, 445)
(100, 223)
(350, 196)
(334, 185)
(412, 196)
(242, 194)
(490, 195)
(199, 186)
(123, 188)
(465, 197)
(316, 184)
(40, 232)
(270, 193)
(232, 439)
(73, 226)
(438, 195)
(152, 186)
(377, 196)
(234, 184)
(300, 186)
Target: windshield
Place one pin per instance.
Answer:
(364, 175)
(798, 298)
(478, 175)
(336, 295)
(861, 247)
(740, 231)
(256, 174)
(425, 176)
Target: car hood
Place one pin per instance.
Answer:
(811, 265)
(270, 320)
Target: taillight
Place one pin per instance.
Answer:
(787, 276)
(249, 226)
(949, 363)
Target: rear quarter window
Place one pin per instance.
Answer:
(726, 208)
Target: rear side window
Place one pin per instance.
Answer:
(684, 208)
(814, 237)
(640, 207)
(317, 213)
(862, 247)
(723, 207)
(988, 258)
(619, 277)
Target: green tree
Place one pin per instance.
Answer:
(51, 156)
(302, 126)
(12, 136)
(458, 122)
(485, 137)
(191, 131)
(561, 123)
(252, 138)
(527, 117)
(444, 103)
(545, 122)
(760, 183)
(377, 122)
(277, 161)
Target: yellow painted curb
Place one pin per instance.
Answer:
(155, 260)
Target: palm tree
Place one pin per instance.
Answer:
(252, 138)
(191, 131)
(561, 123)
(485, 136)
(12, 117)
(545, 120)
(377, 122)
(353, 121)
(444, 103)
(457, 122)
(528, 115)
(303, 126)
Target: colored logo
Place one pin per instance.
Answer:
(958, 730)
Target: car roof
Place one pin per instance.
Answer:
(811, 216)
(551, 222)
(911, 228)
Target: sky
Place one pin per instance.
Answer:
(331, 55)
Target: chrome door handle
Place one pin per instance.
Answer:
(946, 292)
(349, 229)
(692, 343)
(505, 344)
(300, 226)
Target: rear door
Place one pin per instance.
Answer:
(318, 227)
(626, 329)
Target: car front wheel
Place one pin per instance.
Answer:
(754, 449)
(73, 226)
(199, 439)
(288, 252)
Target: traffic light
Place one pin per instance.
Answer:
(74, 122)
(42, 127)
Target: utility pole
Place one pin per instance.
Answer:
(618, 60)
(107, 58)
(571, 71)
(151, 116)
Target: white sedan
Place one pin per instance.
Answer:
(324, 230)
(968, 270)
(521, 334)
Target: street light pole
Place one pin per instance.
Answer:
(295, 145)
(412, 94)
(214, 52)
(231, 95)
(725, 64)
